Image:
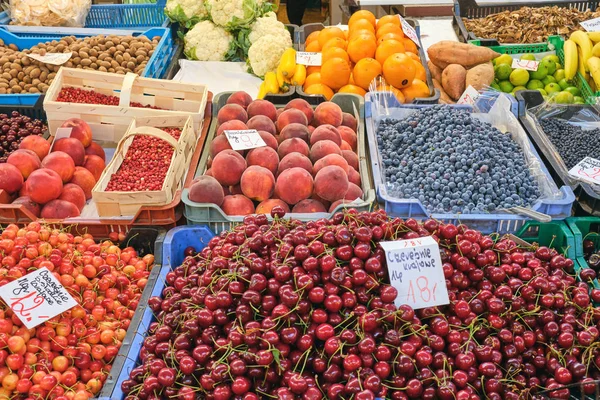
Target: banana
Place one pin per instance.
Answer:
(570, 50)
(299, 76)
(596, 50)
(262, 91)
(584, 43)
(582, 64)
(594, 36)
(594, 66)
(288, 63)
(271, 84)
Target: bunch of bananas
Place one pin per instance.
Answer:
(582, 53)
(287, 73)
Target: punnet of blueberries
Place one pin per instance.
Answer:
(453, 163)
(573, 143)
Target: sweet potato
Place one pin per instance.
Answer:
(453, 80)
(436, 72)
(446, 52)
(480, 76)
(444, 98)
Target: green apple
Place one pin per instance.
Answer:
(535, 84)
(528, 57)
(503, 59)
(563, 84)
(548, 79)
(550, 66)
(541, 72)
(494, 85)
(552, 87)
(506, 86)
(519, 77)
(573, 90)
(578, 100)
(559, 74)
(564, 98)
(502, 71)
(552, 57)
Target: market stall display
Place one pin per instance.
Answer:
(587, 246)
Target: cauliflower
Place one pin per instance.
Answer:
(187, 12)
(232, 13)
(265, 53)
(208, 42)
(267, 25)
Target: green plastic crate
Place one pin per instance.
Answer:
(584, 228)
(555, 43)
(555, 234)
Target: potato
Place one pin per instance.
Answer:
(447, 52)
(436, 72)
(480, 76)
(444, 98)
(453, 80)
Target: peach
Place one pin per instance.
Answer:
(60, 209)
(330, 159)
(351, 158)
(73, 194)
(326, 132)
(206, 189)
(323, 148)
(279, 111)
(294, 160)
(208, 172)
(314, 196)
(349, 121)
(264, 157)
(262, 123)
(311, 129)
(295, 130)
(354, 177)
(289, 117)
(237, 204)
(240, 98)
(335, 204)
(234, 125)
(331, 183)
(61, 163)
(345, 146)
(266, 206)
(85, 180)
(293, 145)
(302, 105)
(328, 113)
(72, 147)
(221, 143)
(95, 165)
(80, 130)
(235, 189)
(11, 178)
(226, 191)
(37, 144)
(354, 192)
(262, 107)
(309, 206)
(348, 136)
(25, 160)
(228, 167)
(257, 183)
(44, 185)
(94, 149)
(230, 112)
(29, 205)
(269, 139)
(294, 185)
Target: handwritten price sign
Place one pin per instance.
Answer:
(529, 65)
(308, 58)
(244, 139)
(408, 30)
(591, 25)
(469, 96)
(415, 270)
(587, 170)
(37, 297)
(52, 58)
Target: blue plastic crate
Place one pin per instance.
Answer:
(156, 68)
(413, 208)
(174, 244)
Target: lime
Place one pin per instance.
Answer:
(552, 57)
(552, 88)
(528, 57)
(563, 84)
(517, 88)
(503, 59)
(495, 86)
(564, 98)
(559, 66)
(578, 100)
(543, 92)
(541, 72)
(550, 66)
(535, 84)
(559, 74)
(505, 86)
(548, 79)
(502, 71)
(519, 77)
(573, 90)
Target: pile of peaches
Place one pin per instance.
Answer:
(309, 163)
(54, 181)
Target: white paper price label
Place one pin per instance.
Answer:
(529, 65)
(408, 30)
(415, 270)
(469, 96)
(308, 58)
(52, 58)
(37, 297)
(591, 25)
(244, 139)
(587, 170)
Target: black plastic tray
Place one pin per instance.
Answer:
(470, 10)
(33, 111)
(588, 200)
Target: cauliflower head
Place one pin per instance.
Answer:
(267, 25)
(208, 42)
(187, 12)
(232, 13)
(265, 53)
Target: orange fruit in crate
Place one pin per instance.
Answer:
(333, 52)
(362, 14)
(334, 42)
(388, 28)
(409, 45)
(335, 73)
(413, 56)
(420, 73)
(312, 79)
(417, 89)
(359, 32)
(360, 25)
(327, 34)
(362, 46)
(313, 46)
(399, 70)
(352, 89)
(393, 90)
(312, 69)
(388, 19)
(387, 48)
(365, 71)
(351, 80)
(312, 37)
(390, 36)
(319, 88)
